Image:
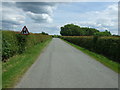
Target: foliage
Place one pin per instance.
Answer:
(105, 33)
(9, 44)
(75, 30)
(15, 43)
(102, 59)
(21, 42)
(107, 46)
(44, 33)
(71, 30)
(56, 36)
(13, 70)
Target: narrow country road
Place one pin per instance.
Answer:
(63, 66)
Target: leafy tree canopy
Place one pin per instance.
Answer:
(105, 33)
(75, 30)
(44, 33)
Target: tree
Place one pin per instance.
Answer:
(44, 33)
(105, 33)
(75, 30)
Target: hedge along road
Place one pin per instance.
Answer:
(63, 66)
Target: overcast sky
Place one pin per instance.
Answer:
(50, 16)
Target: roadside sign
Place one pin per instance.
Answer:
(25, 31)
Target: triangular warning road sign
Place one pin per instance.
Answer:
(25, 31)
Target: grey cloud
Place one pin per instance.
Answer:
(40, 12)
(9, 24)
(35, 7)
(11, 15)
(10, 4)
(14, 13)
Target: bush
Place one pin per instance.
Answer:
(107, 46)
(15, 43)
(9, 44)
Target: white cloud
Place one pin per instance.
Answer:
(102, 20)
(40, 18)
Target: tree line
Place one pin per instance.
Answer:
(75, 30)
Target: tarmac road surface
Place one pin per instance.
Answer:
(63, 66)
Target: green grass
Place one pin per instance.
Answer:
(0, 74)
(0, 59)
(14, 69)
(102, 59)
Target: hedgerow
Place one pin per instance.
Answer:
(14, 43)
(107, 46)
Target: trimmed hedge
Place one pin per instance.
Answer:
(15, 43)
(107, 46)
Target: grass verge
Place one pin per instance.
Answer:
(14, 69)
(102, 59)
